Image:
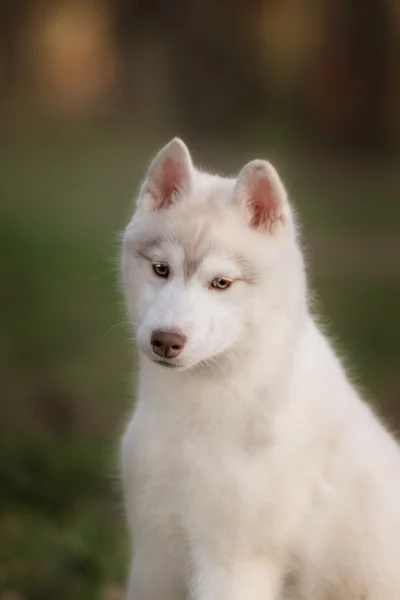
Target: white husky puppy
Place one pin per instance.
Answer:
(252, 469)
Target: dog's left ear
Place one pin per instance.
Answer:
(169, 177)
(261, 192)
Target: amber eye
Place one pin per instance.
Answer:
(220, 283)
(161, 270)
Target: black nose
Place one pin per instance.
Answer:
(167, 344)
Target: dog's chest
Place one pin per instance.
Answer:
(195, 476)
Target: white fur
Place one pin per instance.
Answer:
(252, 470)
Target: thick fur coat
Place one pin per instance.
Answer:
(252, 468)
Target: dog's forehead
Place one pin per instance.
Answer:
(196, 238)
(200, 240)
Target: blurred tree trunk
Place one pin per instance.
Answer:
(12, 15)
(369, 35)
(213, 78)
(348, 85)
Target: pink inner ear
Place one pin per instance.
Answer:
(169, 180)
(262, 204)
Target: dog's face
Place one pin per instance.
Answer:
(203, 258)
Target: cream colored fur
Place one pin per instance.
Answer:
(252, 469)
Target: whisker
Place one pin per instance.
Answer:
(113, 271)
(116, 327)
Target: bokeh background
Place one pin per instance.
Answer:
(88, 92)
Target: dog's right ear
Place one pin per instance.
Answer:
(169, 177)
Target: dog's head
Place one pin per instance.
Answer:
(208, 262)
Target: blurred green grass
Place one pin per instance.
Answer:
(65, 353)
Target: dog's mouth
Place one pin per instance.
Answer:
(165, 363)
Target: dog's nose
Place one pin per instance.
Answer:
(167, 344)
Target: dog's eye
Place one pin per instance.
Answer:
(161, 270)
(220, 283)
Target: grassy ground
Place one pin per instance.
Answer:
(65, 356)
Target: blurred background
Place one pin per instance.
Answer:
(88, 92)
